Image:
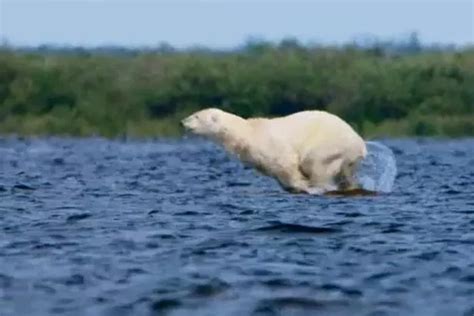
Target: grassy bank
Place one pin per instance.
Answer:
(146, 93)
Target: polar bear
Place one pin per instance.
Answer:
(306, 152)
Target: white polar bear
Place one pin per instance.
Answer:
(306, 152)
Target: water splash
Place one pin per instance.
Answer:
(378, 170)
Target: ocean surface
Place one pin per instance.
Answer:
(177, 227)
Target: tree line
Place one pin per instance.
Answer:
(380, 90)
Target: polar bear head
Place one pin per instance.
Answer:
(208, 122)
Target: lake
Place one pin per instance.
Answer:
(177, 227)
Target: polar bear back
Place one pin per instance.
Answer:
(308, 130)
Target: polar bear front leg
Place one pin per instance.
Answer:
(292, 180)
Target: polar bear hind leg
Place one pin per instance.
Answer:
(346, 179)
(329, 169)
(322, 168)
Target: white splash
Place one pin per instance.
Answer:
(378, 170)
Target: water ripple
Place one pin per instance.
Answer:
(168, 227)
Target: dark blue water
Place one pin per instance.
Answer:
(96, 227)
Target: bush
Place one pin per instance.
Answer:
(145, 93)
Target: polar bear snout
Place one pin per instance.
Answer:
(204, 122)
(189, 123)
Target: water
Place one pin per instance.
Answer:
(378, 169)
(96, 227)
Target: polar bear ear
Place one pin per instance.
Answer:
(214, 118)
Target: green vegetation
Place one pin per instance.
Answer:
(146, 92)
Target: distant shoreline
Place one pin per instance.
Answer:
(384, 90)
